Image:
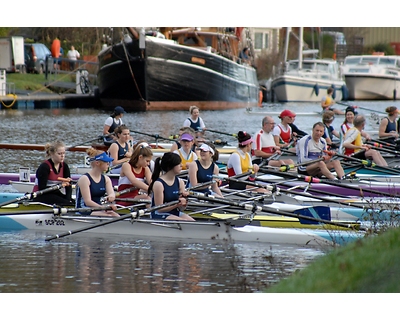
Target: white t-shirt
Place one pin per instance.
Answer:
(109, 121)
(73, 55)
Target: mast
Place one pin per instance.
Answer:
(285, 57)
(300, 48)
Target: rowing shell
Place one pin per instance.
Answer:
(144, 228)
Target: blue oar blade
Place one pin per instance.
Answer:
(318, 212)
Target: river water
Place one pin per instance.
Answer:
(83, 263)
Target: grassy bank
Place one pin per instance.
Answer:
(28, 81)
(371, 265)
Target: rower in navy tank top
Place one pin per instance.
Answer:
(167, 187)
(171, 193)
(97, 191)
(194, 121)
(388, 126)
(204, 169)
(204, 175)
(94, 185)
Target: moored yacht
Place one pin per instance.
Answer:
(308, 79)
(372, 77)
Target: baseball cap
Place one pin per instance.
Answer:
(119, 110)
(287, 113)
(102, 157)
(187, 137)
(206, 147)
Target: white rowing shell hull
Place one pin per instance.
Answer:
(182, 230)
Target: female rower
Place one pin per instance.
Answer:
(48, 173)
(194, 121)
(136, 173)
(120, 150)
(111, 123)
(185, 152)
(176, 144)
(240, 162)
(168, 187)
(203, 169)
(282, 132)
(94, 185)
(348, 122)
(388, 126)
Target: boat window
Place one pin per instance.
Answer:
(359, 70)
(322, 67)
(386, 60)
(293, 65)
(353, 60)
(308, 66)
(398, 63)
(392, 73)
(370, 60)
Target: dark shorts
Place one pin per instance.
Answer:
(258, 161)
(162, 215)
(237, 185)
(303, 172)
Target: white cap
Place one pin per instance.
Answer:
(206, 147)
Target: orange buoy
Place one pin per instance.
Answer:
(260, 98)
(55, 48)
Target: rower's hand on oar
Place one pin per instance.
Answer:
(182, 204)
(366, 147)
(256, 168)
(66, 182)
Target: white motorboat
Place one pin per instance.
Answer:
(308, 79)
(372, 77)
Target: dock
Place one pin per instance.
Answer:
(29, 101)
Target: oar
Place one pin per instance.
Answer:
(57, 210)
(123, 217)
(316, 197)
(117, 165)
(358, 107)
(221, 132)
(133, 200)
(99, 138)
(271, 188)
(380, 147)
(155, 136)
(384, 143)
(254, 208)
(370, 164)
(33, 195)
(310, 180)
(287, 167)
(120, 193)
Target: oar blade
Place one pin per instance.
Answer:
(320, 212)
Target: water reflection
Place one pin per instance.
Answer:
(89, 263)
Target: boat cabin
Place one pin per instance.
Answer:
(316, 68)
(210, 39)
(372, 63)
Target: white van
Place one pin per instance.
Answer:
(12, 55)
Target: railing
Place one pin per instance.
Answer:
(61, 72)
